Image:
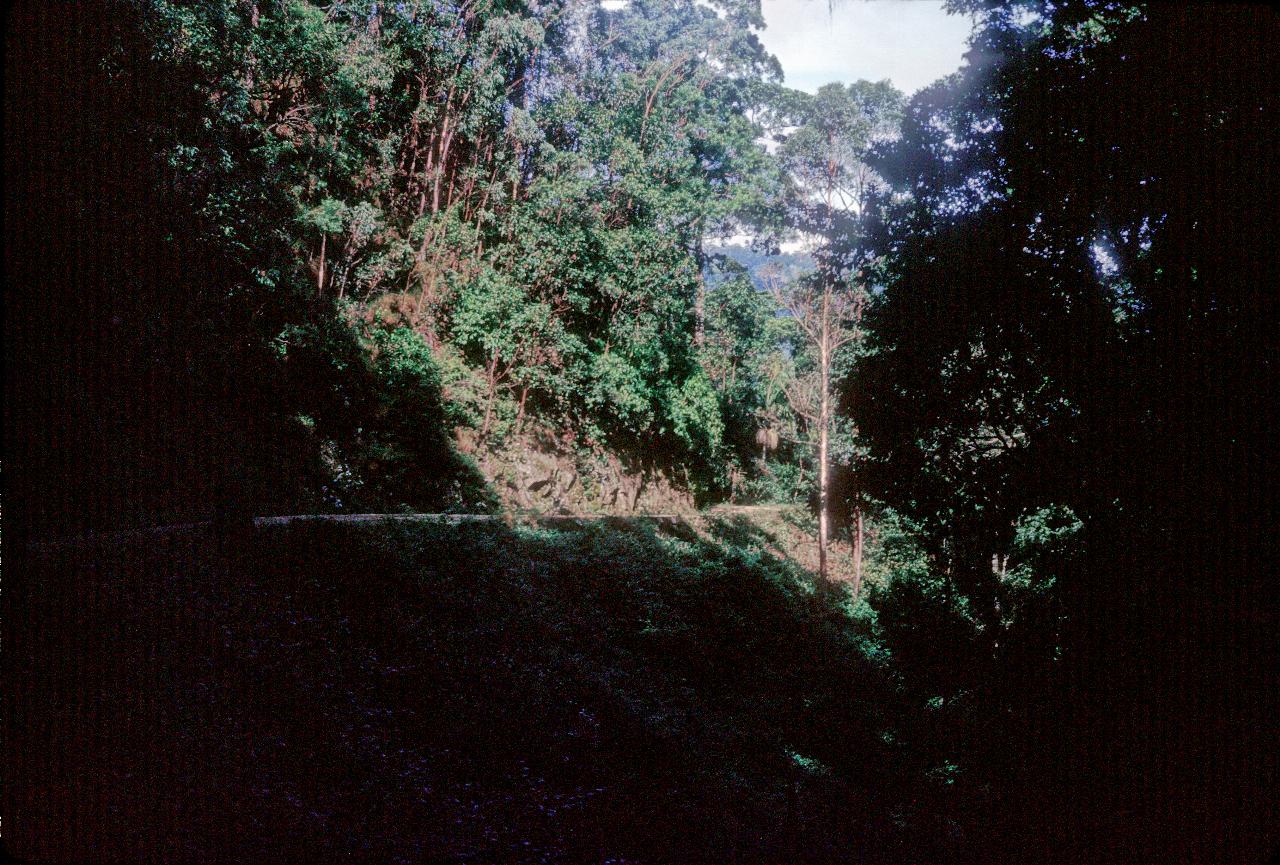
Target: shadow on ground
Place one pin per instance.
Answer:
(620, 691)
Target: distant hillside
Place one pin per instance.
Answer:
(792, 264)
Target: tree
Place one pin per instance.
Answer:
(1072, 322)
(824, 157)
(827, 320)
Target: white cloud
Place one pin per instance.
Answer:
(911, 42)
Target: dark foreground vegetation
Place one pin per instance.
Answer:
(293, 257)
(618, 691)
(607, 693)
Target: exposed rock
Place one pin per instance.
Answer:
(537, 471)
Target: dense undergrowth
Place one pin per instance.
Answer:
(608, 692)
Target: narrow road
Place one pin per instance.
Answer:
(94, 538)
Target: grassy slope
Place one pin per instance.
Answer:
(446, 693)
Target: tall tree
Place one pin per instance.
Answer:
(1073, 318)
(832, 190)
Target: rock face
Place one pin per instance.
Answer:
(536, 471)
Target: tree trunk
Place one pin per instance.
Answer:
(700, 312)
(493, 393)
(857, 549)
(700, 295)
(824, 384)
(519, 425)
(446, 140)
(320, 277)
(824, 423)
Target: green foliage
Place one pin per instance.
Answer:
(1068, 318)
(373, 405)
(1045, 541)
(695, 414)
(328, 217)
(473, 176)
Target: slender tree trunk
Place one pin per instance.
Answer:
(428, 286)
(825, 338)
(524, 395)
(857, 549)
(700, 312)
(824, 423)
(428, 175)
(320, 276)
(493, 393)
(700, 295)
(857, 492)
(446, 140)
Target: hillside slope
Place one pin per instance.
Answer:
(477, 692)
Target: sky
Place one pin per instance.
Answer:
(911, 42)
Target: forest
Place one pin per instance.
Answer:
(770, 476)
